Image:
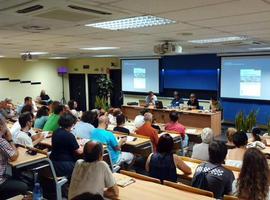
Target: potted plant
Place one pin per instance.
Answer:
(239, 121)
(104, 87)
(246, 123)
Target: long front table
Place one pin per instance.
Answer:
(192, 118)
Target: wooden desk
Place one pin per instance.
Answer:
(192, 118)
(153, 191)
(193, 167)
(266, 150)
(25, 159)
(142, 145)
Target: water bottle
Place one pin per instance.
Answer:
(37, 193)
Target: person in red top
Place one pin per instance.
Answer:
(174, 125)
(148, 130)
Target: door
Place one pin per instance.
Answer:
(77, 90)
(116, 96)
(92, 89)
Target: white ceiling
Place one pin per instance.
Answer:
(196, 19)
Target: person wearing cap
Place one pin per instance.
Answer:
(91, 174)
(150, 99)
(193, 101)
(200, 151)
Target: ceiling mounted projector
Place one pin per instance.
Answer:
(28, 57)
(167, 48)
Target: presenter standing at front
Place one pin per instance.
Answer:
(150, 99)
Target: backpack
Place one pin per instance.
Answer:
(200, 181)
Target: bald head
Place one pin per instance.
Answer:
(92, 151)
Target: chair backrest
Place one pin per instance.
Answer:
(139, 176)
(229, 197)
(191, 160)
(187, 188)
(108, 160)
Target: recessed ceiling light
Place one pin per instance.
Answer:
(99, 48)
(58, 57)
(35, 53)
(259, 48)
(103, 56)
(133, 22)
(216, 40)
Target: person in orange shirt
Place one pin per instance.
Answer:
(148, 130)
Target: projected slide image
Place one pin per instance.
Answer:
(250, 82)
(139, 80)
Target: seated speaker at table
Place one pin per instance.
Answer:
(150, 99)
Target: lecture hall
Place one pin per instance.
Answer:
(128, 100)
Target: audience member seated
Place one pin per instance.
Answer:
(6, 109)
(72, 105)
(27, 101)
(112, 116)
(44, 99)
(150, 99)
(219, 179)
(253, 180)
(41, 117)
(174, 125)
(52, 122)
(162, 164)
(257, 136)
(229, 133)
(176, 100)
(64, 146)
(53, 106)
(88, 196)
(138, 121)
(84, 128)
(24, 137)
(215, 105)
(120, 123)
(235, 156)
(193, 101)
(147, 130)
(200, 151)
(94, 118)
(92, 174)
(9, 186)
(16, 127)
(155, 125)
(100, 134)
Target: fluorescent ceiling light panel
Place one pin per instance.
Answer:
(217, 40)
(103, 56)
(259, 48)
(1, 56)
(99, 48)
(58, 57)
(133, 22)
(35, 53)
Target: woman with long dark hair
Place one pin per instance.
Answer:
(253, 180)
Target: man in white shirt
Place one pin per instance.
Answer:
(23, 136)
(150, 99)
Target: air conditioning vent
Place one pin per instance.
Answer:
(36, 28)
(30, 9)
(12, 4)
(89, 10)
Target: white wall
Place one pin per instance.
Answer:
(44, 71)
